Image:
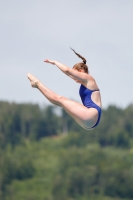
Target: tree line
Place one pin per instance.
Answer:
(19, 121)
(95, 164)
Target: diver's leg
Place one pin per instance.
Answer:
(83, 116)
(50, 95)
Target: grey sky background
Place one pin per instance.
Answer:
(31, 31)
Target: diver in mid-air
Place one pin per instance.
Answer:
(88, 114)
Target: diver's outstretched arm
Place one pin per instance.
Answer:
(74, 74)
(62, 67)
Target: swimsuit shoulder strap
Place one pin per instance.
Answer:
(95, 90)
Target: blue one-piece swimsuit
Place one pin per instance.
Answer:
(85, 95)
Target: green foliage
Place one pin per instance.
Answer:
(45, 156)
(94, 171)
(14, 164)
(19, 121)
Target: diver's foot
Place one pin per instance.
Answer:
(33, 80)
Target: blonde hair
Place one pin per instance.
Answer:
(81, 65)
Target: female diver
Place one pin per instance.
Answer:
(88, 114)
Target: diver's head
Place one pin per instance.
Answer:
(81, 67)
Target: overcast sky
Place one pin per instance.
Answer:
(100, 30)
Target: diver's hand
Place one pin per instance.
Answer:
(50, 61)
